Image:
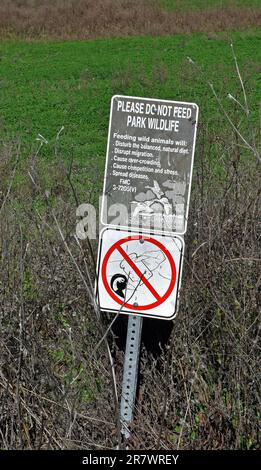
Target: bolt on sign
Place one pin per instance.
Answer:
(139, 273)
(149, 163)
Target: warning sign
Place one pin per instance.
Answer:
(139, 273)
(149, 163)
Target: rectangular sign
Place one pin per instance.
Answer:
(149, 163)
(139, 273)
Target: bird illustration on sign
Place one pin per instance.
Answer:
(159, 203)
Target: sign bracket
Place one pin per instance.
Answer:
(130, 373)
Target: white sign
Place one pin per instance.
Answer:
(150, 154)
(139, 273)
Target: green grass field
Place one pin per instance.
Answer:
(186, 5)
(47, 85)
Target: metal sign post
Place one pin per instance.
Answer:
(144, 213)
(130, 373)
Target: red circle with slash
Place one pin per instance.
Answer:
(118, 247)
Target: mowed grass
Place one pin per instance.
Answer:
(46, 85)
(184, 5)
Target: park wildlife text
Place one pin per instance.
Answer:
(163, 117)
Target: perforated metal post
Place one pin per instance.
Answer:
(130, 373)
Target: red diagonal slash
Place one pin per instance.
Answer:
(139, 273)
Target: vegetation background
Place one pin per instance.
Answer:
(60, 63)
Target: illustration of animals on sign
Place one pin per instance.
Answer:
(136, 268)
(159, 203)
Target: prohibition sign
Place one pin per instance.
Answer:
(118, 247)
